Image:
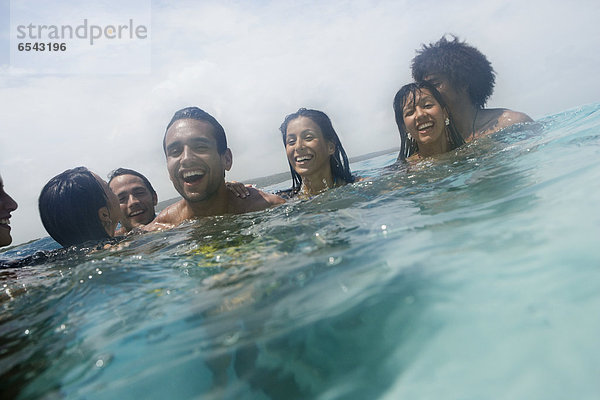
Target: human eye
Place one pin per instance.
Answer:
(122, 199)
(290, 141)
(200, 148)
(408, 112)
(173, 151)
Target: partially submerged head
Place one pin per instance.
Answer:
(197, 155)
(454, 66)
(423, 119)
(313, 147)
(137, 198)
(7, 205)
(77, 206)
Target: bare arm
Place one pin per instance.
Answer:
(167, 219)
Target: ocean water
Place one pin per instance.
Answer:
(472, 276)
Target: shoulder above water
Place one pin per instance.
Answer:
(495, 119)
(510, 117)
(179, 212)
(257, 200)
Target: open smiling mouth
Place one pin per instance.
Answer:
(192, 177)
(301, 159)
(425, 126)
(136, 213)
(5, 223)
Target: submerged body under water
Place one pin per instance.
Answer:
(472, 276)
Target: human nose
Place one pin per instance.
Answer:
(187, 154)
(9, 203)
(299, 143)
(132, 200)
(419, 112)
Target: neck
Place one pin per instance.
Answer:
(318, 182)
(217, 204)
(465, 119)
(431, 149)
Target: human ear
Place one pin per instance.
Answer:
(227, 159)
(103, 214)
(105, 220)
(330, 148)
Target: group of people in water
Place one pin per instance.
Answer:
(442, 110)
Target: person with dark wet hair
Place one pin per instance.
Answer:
(197, 155)
(199, 115)
(315, 154)
(137, 198)
(7, 205)
(465, 79)
(425, 124)
(77, 206)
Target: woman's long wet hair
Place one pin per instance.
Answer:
(408, 94)
(69, 205)
(340, 167)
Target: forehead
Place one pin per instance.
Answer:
(417, 96)
(186, 130)
(436, 76)
(301, 124)
(121, 181)
(439, 79)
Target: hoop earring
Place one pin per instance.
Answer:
(447, 121)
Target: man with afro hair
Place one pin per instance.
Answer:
(465, 79)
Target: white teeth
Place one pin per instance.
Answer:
(136, 213)
(303, 158)
(5, 221)
(187, 174)
(424, 126)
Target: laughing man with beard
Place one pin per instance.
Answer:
(197, 158)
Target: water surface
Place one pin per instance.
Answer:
(472, 276)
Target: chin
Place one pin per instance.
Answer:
(194, 197)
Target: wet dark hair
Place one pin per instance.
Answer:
(69, 205)
(340, 167)
(200, 115)
(463, 65)
(408, 93)
(127, 171)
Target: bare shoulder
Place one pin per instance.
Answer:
(257, 200)
(510, 117)
(168, 218)
(495, 119)
(271, 198)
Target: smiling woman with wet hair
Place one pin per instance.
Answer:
(315, 154)
(425, 124)
(77, 206)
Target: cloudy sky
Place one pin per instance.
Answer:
(250, 63)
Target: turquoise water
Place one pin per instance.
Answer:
(475, 276)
